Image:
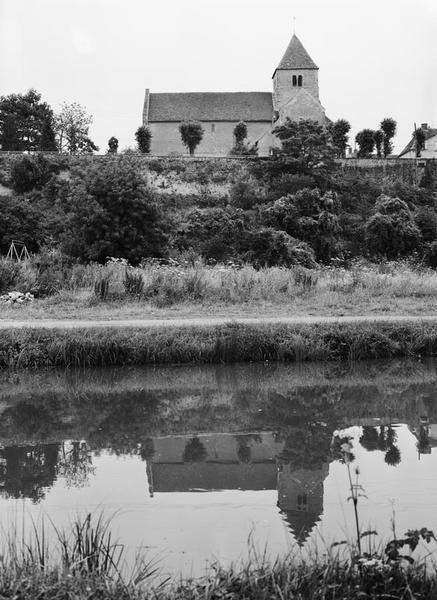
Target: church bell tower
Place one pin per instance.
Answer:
(296, 85)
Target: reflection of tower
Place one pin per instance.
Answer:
(300, 498)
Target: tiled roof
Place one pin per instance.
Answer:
(211, 106)
(429, 133)
(296, 57)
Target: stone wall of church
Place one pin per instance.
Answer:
(303, 107)
(218, 138)
(284, 89)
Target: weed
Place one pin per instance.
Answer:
(101, 287)
(133, 283)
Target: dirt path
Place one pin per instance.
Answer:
(207, 321)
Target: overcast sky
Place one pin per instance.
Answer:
(377, 58)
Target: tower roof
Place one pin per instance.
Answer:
(296, 57)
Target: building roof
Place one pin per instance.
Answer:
(429, 133)
(210, 106)
(301, 523)
(296, 57)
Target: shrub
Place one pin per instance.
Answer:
(308, 216)
(426, 221)
(111, 211)
(53, 272)
(431, 254)
(143, 135)
(191, 134)
(268, 247)
(101, 286)
(133, 283)
(391, 230)
(31, 172)
(245, 193)
(9, 272)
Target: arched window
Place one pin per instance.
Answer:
(299, 81)
(294, 81)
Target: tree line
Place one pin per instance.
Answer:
(296, 207)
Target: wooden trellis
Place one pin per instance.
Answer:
(17, 251)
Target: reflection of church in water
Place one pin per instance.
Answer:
(244, 462)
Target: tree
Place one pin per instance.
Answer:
(26, 123)
(339, 131)
(308, 216)
(307, 149)
(191, 134)
(241, 146)
(391, 230)
(72, 126)
(240, 132)
(143, 135)
(111, 211)
(419, 139)
(194, 451)
(366, 142)
(112, 145)
(378, 138)
(388, 127)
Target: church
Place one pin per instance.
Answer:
(295, 95)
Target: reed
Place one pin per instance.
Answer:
(229, 343)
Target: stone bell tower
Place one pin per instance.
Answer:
(296, 86)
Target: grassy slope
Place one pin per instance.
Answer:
(215, 344)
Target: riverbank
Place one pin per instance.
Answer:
(366, 578)
(216, 343)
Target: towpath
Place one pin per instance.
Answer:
(207, 321)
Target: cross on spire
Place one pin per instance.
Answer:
(294, 25)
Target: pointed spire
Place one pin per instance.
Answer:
(296, 57)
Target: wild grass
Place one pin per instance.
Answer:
(87, 567)
(194, 281)
(83, 562)
(229, 343)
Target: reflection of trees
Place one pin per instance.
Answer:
(393, 456)
(123, 427)
(244, 451)
(27, 419)
(194, 451)
(26, 470)
(306, 447)
(382, 438)
(338, 450)
(75, 464)
(369, 438)
(423, 442)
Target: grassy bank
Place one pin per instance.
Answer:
(87, 564)
(234, 342)
(328, 582)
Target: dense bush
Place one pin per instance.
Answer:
(32, 171)
(214, 232)
(9, 272)
(308, 216)
(268, 247)
(110, 211)
(391, 230)
(19, 220)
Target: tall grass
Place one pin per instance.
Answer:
(234, 342)
(88, 568)
(194, 281)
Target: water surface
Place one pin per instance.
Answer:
(194, 462)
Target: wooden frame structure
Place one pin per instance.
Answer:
(18, 251)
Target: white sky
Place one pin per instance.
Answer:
(377, 58)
